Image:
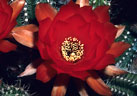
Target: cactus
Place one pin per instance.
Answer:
(96, 3)
(126, 60)
(124, 85)
(13, 90)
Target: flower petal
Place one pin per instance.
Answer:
(60, 86)
(45, 72)
(112, 70)
(5, 24)
(100, 52)
(98, 85)
(59, 33)
(25, 35)
(6, 46)
(117, 48)
(88, 15)
(76, 20)
(3, 20)
(106, 60)
(82, 2)
(4, 7)
(45, 10)
(120, 30)
(8, 29)
(31, 68)
(43, 30)
(102, 13)
(29, 27)
(71, 9)
(43, 50)
(17, 6)
(80, 74)
(110, 32)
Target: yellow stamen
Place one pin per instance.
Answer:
(72, 50)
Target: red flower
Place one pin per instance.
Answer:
(8, 15)
(5, 16)
(77, 40)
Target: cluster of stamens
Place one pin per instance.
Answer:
(72, 49)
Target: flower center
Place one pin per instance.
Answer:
(72, 49)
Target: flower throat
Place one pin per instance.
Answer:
(72, 50)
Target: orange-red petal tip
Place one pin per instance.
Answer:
(6, 46)
(17, 6)
(45, 10)
(117, 48)
(98, 85)
(45, 73)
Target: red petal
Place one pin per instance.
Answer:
(3, 21)
(59, 33)
(5, 10)
(106, 60)
(6, 46)
(4, 7)
(45, 10)
(98, 85)
(102, 13)
(80, 74)
(45, 72)
(110, 32)
(100, 52)
(118, 48)
(9, 28)
(17, 6)
(71, 8)
(87, 13)
(43, 51)
(76, 21)
(43, 30)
